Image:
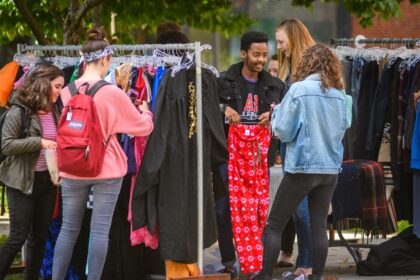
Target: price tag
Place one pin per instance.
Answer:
(69, 116)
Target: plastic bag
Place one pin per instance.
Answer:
(51, 158)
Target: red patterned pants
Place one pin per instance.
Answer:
(248, 191)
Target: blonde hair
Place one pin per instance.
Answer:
(320, 59)
(298, 39)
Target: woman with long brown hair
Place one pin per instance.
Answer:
(30, 192)
(312, 119)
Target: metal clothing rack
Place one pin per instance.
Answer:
(361, 41)
(148, 49)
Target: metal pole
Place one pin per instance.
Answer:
(19, 48)
(114, 47)
(216, 53)
(199, 157)
(350, 41)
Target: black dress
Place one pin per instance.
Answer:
(166, 187)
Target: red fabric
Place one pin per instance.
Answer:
(141, 235)
(248, 191)
(56, 211)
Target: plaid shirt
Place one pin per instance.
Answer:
(374, 207)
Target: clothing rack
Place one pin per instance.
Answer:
(361, 41)
(407, 49)
(197, 47)
(75, 49)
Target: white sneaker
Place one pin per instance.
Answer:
(290, 276)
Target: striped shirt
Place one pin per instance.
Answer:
(49, 132)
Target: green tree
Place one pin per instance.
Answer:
(365, 10)
(65, 21)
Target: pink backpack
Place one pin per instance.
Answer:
(81, 149)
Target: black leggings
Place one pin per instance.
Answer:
(319, 188)
(30, 216)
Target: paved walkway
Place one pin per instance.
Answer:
(339, 264)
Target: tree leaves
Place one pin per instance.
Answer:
(133, 17)
(138, 19)
(365, 10)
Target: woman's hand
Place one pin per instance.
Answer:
(143, 106)
(48, 144)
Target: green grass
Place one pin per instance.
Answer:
(402, 225)
(15, 277)
(5, 199)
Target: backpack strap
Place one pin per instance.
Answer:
(91, 91)
(72, 88)
(3, 194)
(24, 116)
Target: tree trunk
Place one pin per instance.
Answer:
(96, 17)
(72, 34)
(74, 25)
(31, 21)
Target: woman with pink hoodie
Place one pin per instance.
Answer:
(116, 114)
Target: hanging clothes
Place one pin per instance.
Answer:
(123, 260)
(160, 72)
(374, 212)
(415, 164)
(248, 191)
(7, 77)
(123, 76)
(167, 180)
(383, 90)
(142, 235)
(368, 84)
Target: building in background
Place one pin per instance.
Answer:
(324, 21)
(405, 26)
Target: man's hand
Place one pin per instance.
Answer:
(232, 115)
(264, 119)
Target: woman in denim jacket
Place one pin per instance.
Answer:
(312, 119)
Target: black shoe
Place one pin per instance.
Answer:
(259, 276)
(283, 264)
(314, 277)
(230, 270)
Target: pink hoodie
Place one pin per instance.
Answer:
(117, 115)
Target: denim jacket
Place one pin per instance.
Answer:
(312, 122)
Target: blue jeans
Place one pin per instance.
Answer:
(355, 82)
(302, 226)
(75, 195)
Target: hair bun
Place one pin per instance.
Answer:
(96, 34)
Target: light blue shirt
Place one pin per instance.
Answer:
(313, 123)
